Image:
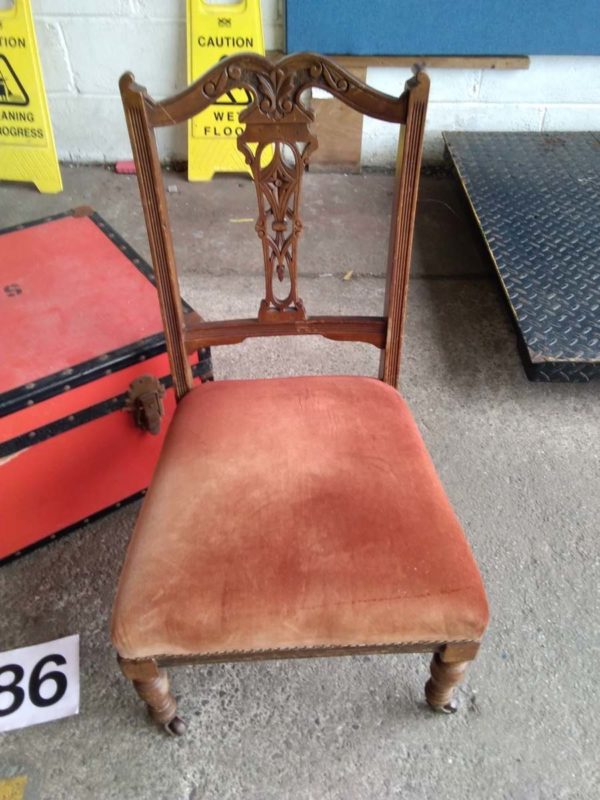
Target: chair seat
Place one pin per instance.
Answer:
(295, 513)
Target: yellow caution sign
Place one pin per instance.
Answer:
(215, 32)
(27, 151)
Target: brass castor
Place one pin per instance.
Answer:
(449, 708)
(176, 727)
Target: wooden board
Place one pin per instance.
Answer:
(430, 62)
(339, 132)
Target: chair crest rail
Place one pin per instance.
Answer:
(276, 88)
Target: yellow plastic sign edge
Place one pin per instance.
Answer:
(36, 164)
(208, 154)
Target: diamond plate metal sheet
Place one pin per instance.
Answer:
(536, 198)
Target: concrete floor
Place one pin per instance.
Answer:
(520, 462)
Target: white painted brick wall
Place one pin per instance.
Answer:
(85, 45)
(555, 93)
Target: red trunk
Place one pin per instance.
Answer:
(79, 320)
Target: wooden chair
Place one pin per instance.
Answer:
(299, 516)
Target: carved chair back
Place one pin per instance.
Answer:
(277, 143)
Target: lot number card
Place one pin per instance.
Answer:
(39, 683)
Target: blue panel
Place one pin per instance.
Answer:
(444, 27)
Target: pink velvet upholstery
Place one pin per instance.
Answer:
(292, 513)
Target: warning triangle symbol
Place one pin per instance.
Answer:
(12, 91)
(229, 99)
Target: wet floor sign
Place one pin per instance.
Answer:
(27, 151)
(215, 32)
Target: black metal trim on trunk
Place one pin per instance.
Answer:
(88, 414)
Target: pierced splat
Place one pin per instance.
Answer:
(278, 162)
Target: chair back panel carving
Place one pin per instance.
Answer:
(278, 162)
(277, 143)
(276, 89)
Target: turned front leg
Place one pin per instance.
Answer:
(152, 685)
(447, 669)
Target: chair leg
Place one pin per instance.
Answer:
(152, 685)
(447, 671)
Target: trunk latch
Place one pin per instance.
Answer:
(145, 401)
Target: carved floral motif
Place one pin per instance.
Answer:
(277, 122)
(279, 225)
(276, 91)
